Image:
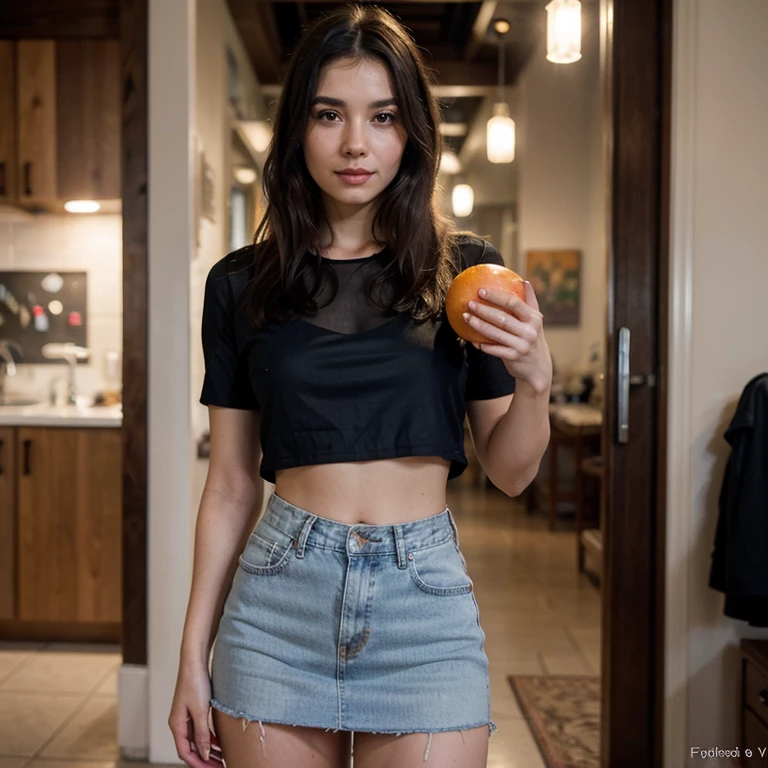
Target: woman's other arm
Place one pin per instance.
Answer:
(229, 509)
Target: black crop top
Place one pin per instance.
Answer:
(347, 384)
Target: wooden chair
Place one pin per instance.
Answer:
(589, 532)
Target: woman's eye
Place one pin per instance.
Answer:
(382, 118)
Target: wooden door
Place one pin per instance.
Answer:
(69, 502)
(7, 120)
(36, 114)
(7, 523)
(637, 42)
(88, 119)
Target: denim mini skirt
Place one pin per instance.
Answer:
(370, 628)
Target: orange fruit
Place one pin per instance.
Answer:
(465, 287)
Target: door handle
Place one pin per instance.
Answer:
(626, 380)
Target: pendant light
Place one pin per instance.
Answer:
(500, 131)
(462, 199)
(564, 31)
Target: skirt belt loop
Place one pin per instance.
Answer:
(302, 540)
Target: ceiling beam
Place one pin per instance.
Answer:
(258, 29)
(480, 28)
(54, 19)
(462, 73)
(399, 2)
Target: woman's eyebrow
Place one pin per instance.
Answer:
(339, 103)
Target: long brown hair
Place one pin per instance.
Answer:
(420, 240)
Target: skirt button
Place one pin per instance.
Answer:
(410, 557)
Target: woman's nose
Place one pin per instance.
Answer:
(354, 142)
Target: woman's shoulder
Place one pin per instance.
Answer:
(234, 263)
(475, 249)
(233, 271)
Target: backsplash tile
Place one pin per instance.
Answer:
(69, 242)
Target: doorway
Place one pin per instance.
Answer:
(635, 75)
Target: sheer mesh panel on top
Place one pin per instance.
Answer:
(350, 311)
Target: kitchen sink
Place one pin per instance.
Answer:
(17, 401)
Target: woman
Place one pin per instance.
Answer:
(332, 372)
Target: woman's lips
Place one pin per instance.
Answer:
(354, 178)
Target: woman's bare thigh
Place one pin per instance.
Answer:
(458, 749)
(269, 745)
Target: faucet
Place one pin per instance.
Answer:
(71, 353)
(7, 362)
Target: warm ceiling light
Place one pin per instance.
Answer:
(500, 135)
(258, 133)
(564, 31)
(81, 206)
(244, 175)
(449, 162)
(500, 129)
(462, 200)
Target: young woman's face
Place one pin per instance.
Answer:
(354, 124)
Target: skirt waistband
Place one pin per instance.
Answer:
(302, 526)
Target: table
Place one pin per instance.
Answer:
(570, 424)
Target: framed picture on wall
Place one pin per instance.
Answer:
(556, 278)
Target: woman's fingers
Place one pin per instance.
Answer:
(184, 739)
(202, 736)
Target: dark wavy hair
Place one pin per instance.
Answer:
(422, 241)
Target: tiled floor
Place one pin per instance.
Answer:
(58, 702)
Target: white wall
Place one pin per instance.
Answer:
(214, 120)
(171, 103)
(70, 242)
(187, 110)
(561, 183)
(718, 321)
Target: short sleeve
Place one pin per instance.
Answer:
(487, 376)
(226, 381)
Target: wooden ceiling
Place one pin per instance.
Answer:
(456, 38)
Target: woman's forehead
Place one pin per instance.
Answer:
(357, 79)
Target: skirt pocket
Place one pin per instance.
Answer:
(439, 570)
(267, 552)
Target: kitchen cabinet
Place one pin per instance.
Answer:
(7, 121)
(67, 117)
(7, 522)
(66, 558)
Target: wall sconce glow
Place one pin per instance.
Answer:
(463, 200)
(564, 31)
(244, 175)
(449, 162)
(81, 206)
(258, 133)
(500, 135)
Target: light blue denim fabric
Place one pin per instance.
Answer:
(323, 630)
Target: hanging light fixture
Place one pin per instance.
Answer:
(500, 131)
(462, 200)
(564, 31)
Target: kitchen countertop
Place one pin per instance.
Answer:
(44, 415)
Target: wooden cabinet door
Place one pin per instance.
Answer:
(88, 119)
(69, 517)
(36, 116)
(7, 523)
(7, 121)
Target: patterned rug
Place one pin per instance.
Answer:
(564, 715)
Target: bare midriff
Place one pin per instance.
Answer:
(380, 492)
